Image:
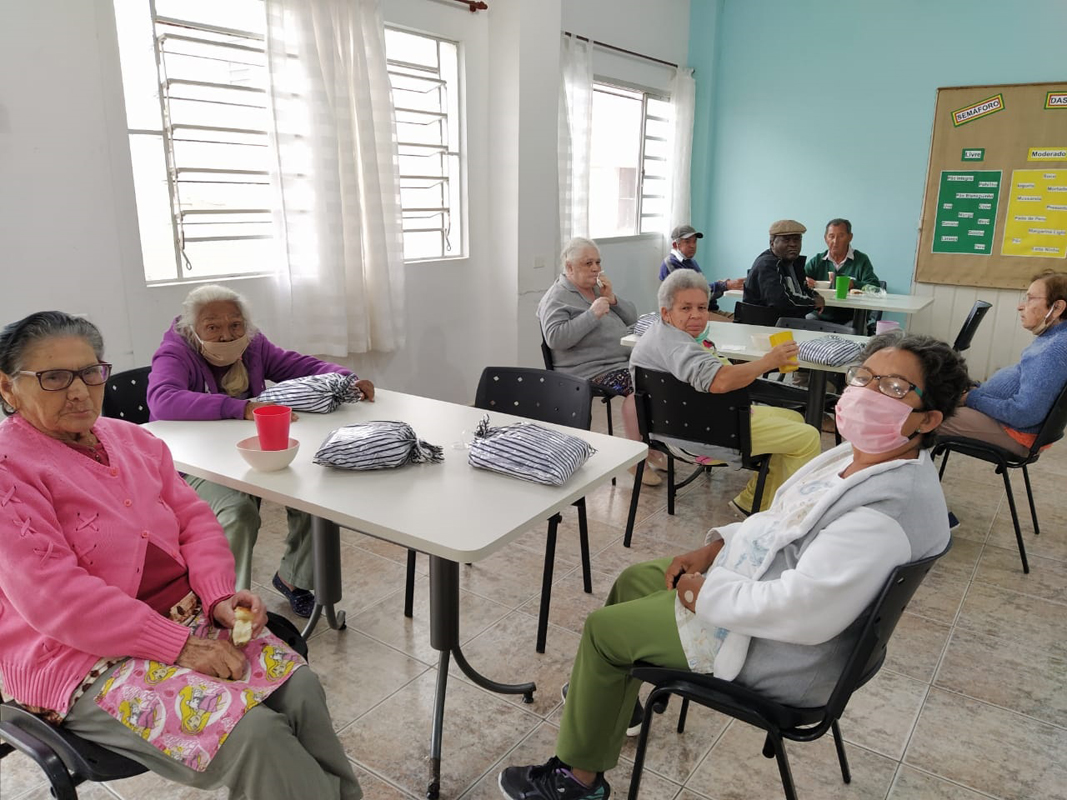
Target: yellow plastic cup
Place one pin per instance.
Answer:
(777, 339)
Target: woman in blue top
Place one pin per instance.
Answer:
(1001, 411)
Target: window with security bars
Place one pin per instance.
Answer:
(424, 73)
(195, 81)
(630, 161)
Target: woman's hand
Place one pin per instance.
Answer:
(689, 586)
(696, 561)
(252, 405)
(605, 289)
(782, 354)
(600, 307)
(367, 388)
(214, 657)
(224, 616)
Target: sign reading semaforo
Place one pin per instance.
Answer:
(983, 108)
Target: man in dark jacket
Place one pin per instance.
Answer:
(777, 276)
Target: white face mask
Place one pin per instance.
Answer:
(1045, 325)
(222, 354)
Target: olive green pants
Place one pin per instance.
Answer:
(238, 513)
(282, 749)
(637, 624)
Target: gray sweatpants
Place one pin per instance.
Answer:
(282, 749)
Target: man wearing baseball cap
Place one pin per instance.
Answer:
(777, 276)
(683, 248)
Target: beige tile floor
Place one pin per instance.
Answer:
(972, 702)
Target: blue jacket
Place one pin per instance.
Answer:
(1042, 370)
(670, 264)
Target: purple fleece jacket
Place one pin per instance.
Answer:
(181, 384)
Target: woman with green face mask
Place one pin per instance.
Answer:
(1009, 408)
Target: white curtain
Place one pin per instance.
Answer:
(575, 136)
(341, 282)
(683, 101)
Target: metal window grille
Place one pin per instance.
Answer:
(424, 74)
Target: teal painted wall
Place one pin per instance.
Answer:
(813, 109)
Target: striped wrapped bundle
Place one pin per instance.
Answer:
(375, 445)
(831, 350)
(528, 451)
(319, 394)
(644, 322)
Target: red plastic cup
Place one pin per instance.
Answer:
(272, 425)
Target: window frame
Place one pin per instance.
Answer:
(605, 84)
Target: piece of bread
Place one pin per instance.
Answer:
(242, 627)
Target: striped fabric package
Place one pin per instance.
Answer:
(528, 451)
(830, 350)
(319, 394)
(644, 322)
(375, 445)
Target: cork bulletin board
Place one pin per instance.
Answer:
(995, 206)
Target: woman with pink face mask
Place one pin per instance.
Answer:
(211, 362)
(1000, 411)
(774, 602)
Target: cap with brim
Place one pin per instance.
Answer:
(684, 232)
(787, 227)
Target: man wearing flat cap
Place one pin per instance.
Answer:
(777, 276)
(683, 249)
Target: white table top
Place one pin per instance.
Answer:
(448, 509)
(734, 340)
(899, 303)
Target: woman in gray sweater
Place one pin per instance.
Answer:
(583, 321)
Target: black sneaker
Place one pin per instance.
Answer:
(549, 781)
(953, 523)
(633, 728)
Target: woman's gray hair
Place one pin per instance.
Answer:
(210, 293)
(573, 248)
(679, 281)
(18, 337)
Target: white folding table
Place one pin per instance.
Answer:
(861, 304)
(451, 511)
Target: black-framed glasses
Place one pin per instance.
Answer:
(895, 386)
(56, 380)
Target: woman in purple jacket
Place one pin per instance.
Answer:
(210, 364)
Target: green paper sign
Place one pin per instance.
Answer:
(973, 154)
(966, 212)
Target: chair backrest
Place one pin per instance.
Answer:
(876, 316)
(546, 353)
(882, 617)
(126, 395)
(804, 324)
(1054, 425)
(970, 325)
(667, 406)
(539, 394)
(756, 315)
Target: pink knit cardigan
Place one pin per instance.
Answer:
(73, 536)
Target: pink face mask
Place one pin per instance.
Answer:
(871, 420)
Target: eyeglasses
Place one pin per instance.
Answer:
(1032, 299)
(890, 385)
(56, 380)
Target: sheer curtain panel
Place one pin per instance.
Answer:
(683, 102)
(575, 136)
(341, 287)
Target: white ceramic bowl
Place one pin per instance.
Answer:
(822, 284)
(266, 460)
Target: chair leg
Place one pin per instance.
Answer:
(783, 765)
(583, 541)
(944, 463)
(682, 714)
(1015, 519)
(546, 581)
(633, 504)
(846, 773)
(761, 481)
(670, 484)
(1030, 497)
(642, 741)
(409, 587)
(611, 432)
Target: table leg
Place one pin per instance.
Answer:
(326, 549)
(816, 398)
(444, 637)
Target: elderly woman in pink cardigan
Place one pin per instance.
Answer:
(117, 595)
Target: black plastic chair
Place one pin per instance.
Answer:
(66, 759)
(751, 314)
(1052, 430)
(602, 392)
(970, 325)
(874, 317)
(667, 406)
(126, 395)
(545, 396)
(819, 325)
(780, 721)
